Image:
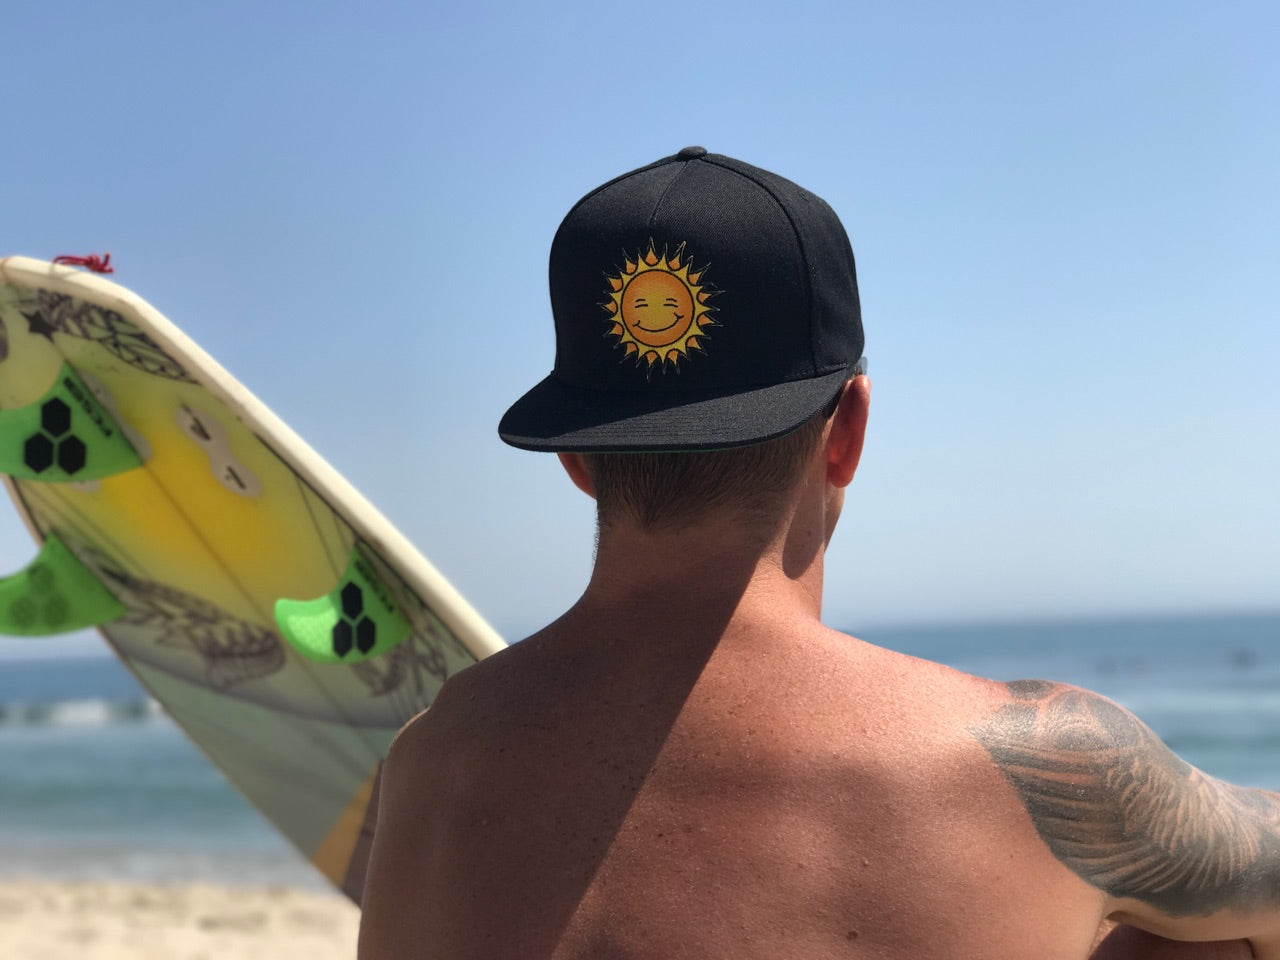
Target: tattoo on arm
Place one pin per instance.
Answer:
(1120, 810)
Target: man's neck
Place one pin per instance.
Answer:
(678, 571)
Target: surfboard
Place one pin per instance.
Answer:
(280, 620)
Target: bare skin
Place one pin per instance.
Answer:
(688, 764)
(1130, 943)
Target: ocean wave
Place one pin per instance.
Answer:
(253, 857)
(79, 713)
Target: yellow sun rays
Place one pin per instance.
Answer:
(658, 307)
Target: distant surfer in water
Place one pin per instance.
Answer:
(688, 764)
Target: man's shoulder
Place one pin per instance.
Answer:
(1048, 715)
(905, 672)
(481, 695)
(447, 718)
(1116, 806)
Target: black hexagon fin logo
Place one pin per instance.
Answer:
(72, 454)
(342, 638)
(352, 601)
(55, 417)
(38, 452)
(56, 612)
(366, 634)
(23, 612)
(41, 578)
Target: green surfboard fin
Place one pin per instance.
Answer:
(356, 620)
(55, 593)
(65, 436)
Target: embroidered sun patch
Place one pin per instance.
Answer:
(658, 307)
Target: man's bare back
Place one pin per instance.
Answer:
(601, 793)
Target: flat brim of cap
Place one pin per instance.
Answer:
(559, 417)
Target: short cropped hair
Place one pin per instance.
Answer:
(667, 490)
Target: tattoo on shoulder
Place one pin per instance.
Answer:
(1119, 809)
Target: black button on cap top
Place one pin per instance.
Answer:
(691, 153)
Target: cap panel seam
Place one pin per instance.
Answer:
(653, 216)
(625, 176)
(584, 200)
(604, 186)
(804, 251)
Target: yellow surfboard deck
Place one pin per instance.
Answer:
(226, 513)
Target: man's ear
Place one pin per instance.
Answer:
(848, 431)
(577, 470)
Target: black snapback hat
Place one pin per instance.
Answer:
(699, 303)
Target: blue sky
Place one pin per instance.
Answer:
(1065, 218)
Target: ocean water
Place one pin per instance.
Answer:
(95, 782)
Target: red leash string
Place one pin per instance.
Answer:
(93, 262)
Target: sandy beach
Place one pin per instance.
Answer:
(92, 920)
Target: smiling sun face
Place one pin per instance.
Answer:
(659, 308)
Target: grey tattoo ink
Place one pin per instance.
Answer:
(1125, 814)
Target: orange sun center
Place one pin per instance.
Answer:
(657, 308)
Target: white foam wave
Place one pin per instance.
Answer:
(79, 713)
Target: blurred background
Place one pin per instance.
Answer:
(1065, 219)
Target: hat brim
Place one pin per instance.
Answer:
(555, 416)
